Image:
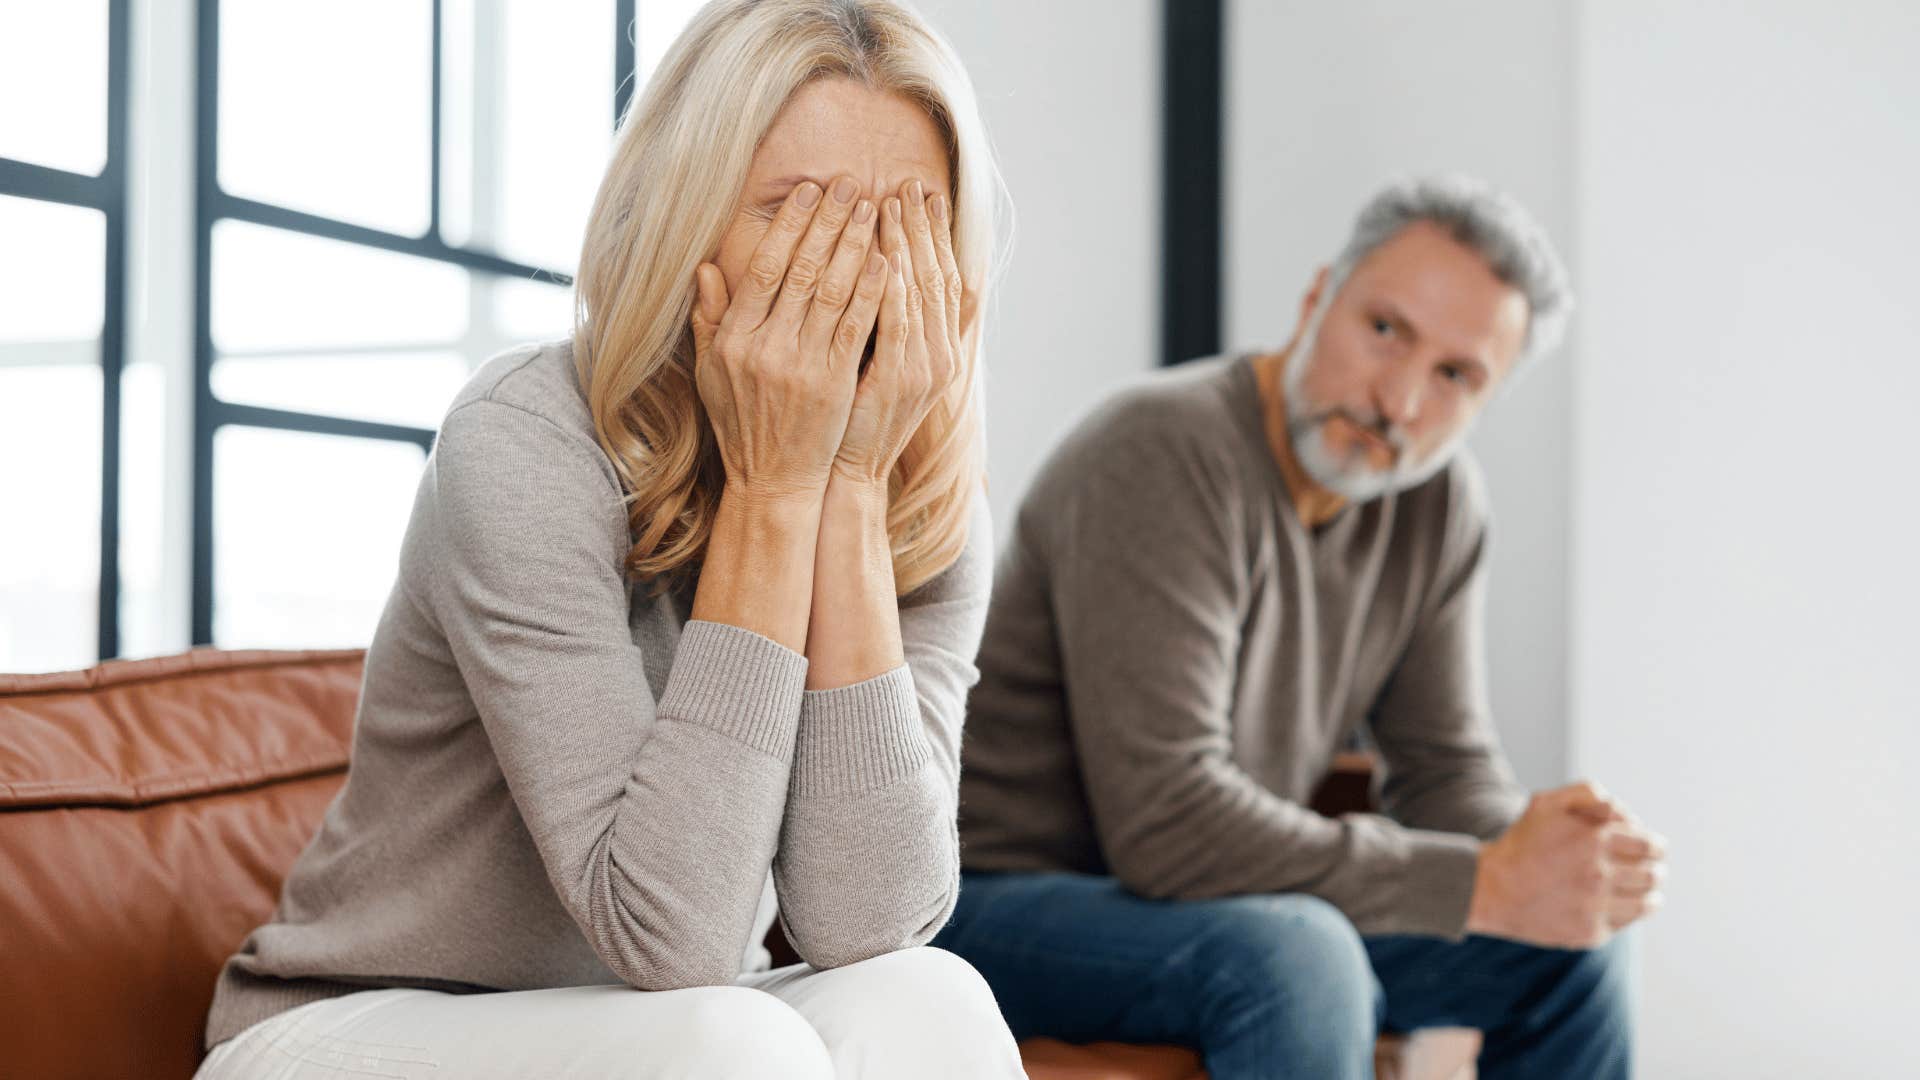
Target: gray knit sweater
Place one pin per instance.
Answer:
(1172, 659)
(559, 780)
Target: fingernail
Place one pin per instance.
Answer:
(875, 264)
(843, 190)
(897, 268)
(938, 207)
(809, 193)
(893, 210)
(862, 212)
(914, 190)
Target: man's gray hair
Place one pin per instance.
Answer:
(1487, 221)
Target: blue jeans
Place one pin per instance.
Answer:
(1278, 985)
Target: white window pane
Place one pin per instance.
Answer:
(52, 270)
(51, 277)
(410, 388)
(459, 111)
(531, 310)
(277, 290)
(307, 532)
(659, 23)
(556, 101)
(50, 489)
(328, 108)
(53, 83)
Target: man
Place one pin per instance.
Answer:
(1216, 582)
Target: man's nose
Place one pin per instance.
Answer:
(1397, 392)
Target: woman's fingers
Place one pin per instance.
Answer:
(940, 209)
(893, 327)
(850, 332)
(768, 267)
(841, 282)
(893, 241)
(926, 260)
(709, 306)
(807, 269)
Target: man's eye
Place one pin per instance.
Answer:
(1382, 326)
(1454, 374)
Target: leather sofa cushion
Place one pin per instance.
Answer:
(148, 812)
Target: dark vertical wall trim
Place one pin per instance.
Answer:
(113, 325)
(433, 198)
(1192, 71)
(206, 194)
(624, 61)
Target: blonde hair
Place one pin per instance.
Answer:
(679, 163)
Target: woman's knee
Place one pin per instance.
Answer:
(924, 1010)
(737, 1033)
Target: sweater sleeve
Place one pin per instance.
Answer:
(1148, 573)
(656, 825)
(1432, 723)
(869, 853)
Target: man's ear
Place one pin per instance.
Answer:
(1315, 293)
(1308, 303)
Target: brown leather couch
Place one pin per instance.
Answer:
(148, 811)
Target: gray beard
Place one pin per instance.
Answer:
(1351, 477)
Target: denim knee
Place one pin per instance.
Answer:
(1295, 960)
(1601, 982)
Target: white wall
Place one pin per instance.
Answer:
(1326, 102)
(1071, 92)
(1746, 583)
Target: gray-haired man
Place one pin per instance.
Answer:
(1216, 580)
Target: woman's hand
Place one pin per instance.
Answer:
(918, 351)
(777, 365)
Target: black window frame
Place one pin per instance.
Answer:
(107, 193)
(213, 205)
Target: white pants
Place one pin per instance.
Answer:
(918, 1014)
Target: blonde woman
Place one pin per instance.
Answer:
(686, 612)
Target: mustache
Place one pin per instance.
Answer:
(1368, 420)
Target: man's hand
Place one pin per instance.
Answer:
(1576, 868)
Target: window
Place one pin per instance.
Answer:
(385, 193)
(62, 241)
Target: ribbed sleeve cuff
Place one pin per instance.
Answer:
(859, 737)
(738, 683)
(1438, 884)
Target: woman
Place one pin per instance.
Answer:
(691, 596)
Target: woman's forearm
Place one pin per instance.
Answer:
(854, 632)
(759, 566)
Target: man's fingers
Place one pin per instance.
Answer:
(1623, 910)
(1635, 844)
(768, 267)
(1590, 801)
(1638, 879)
(843, 277)
(806, 271)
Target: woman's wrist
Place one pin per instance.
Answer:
(853, 490)
(757, 572)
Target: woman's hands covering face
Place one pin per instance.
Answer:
(917, 352)
(778, 366)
